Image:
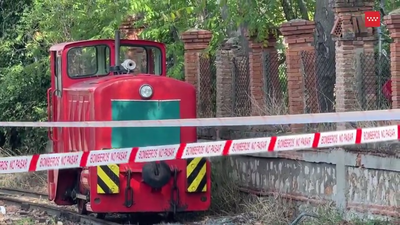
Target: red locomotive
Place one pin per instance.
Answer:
(85, 87)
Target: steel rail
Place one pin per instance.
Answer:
(6, 193)
(20, 192)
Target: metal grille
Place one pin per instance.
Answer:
(275, 84)
(372, 73)
(206, 93)
(319, 82)
(241, 85)
(319, 76)
(207, 87)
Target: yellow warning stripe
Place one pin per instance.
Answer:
(196, 174)
(108, 179)
(192, 165)
(101, 173)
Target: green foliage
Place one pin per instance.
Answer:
(166, 20)
(29, 27)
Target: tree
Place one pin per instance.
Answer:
(29, 27)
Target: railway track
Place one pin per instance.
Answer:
(15, 197)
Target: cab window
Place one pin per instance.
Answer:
(88, 61)
(146, 58)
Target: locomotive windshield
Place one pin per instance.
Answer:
(88, 61)
(147, 59)
(93, 61)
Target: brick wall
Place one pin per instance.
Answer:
(224, 79)
(265, 92)
(128, 28)
(298, 36)
(354, 85)
(245, 84)
(393, 24)
(195, 42)
(257, 94)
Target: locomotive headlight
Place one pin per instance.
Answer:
(146, 91)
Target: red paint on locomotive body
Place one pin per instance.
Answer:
(89, 99)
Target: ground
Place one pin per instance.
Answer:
(27, 181)
(15, 216)
(230, 206)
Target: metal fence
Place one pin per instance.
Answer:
(275, 83)
(317, 85)
(372, 73)
(319, 78)
(241, 85)
(206, 94)
(206, 107)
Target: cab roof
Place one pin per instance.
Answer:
(62, 46)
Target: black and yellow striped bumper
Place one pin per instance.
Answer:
(196, 175)
(108, 179)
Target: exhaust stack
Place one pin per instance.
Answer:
(116, 67)
(116, 50)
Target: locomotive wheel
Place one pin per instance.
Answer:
(82, 207)
(80, 202)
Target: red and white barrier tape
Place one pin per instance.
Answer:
(357, 116)
(203, 149)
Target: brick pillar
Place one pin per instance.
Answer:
(355, 75)
(224, 57)
(272, 85)
(257, 95)
(345, 69)
(299, 37)
(392, 22)
(195, 42)
(128, 29)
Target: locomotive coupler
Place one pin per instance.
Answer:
(128, 191)
(175, 192)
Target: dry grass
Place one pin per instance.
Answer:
(36, 181)
(329, 215)
(275, 106)
(226, 197)
(229, 201)
(269, 210)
